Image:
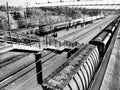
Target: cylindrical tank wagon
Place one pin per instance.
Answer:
(102, 40)
(111, 28)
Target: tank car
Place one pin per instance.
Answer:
(76, 22)
(102, 41)
(62, 25)
(110, 28)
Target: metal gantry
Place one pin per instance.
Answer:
(82, 4)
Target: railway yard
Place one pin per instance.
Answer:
(86, 68)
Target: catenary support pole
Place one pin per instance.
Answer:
(39, 68)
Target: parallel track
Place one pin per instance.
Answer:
(78, 31)
(7, 79)
(12, 59)
(10, 78)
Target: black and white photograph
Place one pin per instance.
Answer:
(59, 44)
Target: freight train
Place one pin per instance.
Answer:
(78, 72)
(103, 39)
(46, 29)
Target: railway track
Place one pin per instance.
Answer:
(86, 33)
(11, 60)
(10, 78)
(78, 31)
(7, 79)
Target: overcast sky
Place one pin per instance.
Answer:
(32, 2)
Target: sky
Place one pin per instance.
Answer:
(32, 2)
(23, 2)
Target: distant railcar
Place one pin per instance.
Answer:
(51, 28)
(102, 40)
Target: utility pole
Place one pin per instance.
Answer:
(26, 14)
(9, 29)
(39, 68)
(8, 16)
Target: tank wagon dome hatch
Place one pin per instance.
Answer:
(74, 74)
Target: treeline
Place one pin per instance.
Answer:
(90, 12)
(70, 12)
(3, 24)
(2, 8)
(11, 8)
